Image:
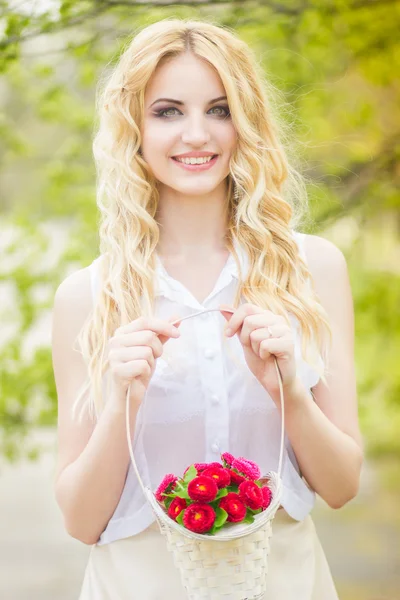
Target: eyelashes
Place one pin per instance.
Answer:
(162, 115)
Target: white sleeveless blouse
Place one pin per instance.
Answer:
(203, 400)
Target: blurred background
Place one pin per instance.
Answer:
(336, 64)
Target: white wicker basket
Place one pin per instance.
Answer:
(233, 563)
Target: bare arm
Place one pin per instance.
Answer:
(88, 490)
(325, 433)
(93, 459)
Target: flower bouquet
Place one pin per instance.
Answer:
(210, 496)
(217, 520)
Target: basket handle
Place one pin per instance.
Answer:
(128, 433)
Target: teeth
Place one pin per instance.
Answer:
(195, 161)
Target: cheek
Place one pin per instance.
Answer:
(157, 144)
(156, 140)
(228, 137)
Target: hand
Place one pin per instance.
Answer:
(133, 351)
(264, 336)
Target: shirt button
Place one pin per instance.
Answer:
(215, 399)
(204, 315)
(209, 353)
(215, 447)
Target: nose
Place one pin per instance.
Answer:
(195, 131)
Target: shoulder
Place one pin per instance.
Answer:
(74, 294)
(328, 267)
(322, 255)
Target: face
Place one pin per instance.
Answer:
(194, 118)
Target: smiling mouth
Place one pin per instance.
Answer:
(178, 160)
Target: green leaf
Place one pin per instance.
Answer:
(190, 474)
(183, 494)
(233, 488)
(180, 490)
(221, 493)
(221, 517)
(179, 518)
(249, 517)
(168, 502)
(255, 512)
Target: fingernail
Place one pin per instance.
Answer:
(228, 331)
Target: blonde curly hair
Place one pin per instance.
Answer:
(266, 195)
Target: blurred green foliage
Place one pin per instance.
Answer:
(336, 64)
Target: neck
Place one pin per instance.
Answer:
(191, 225)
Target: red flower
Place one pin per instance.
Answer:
(251, 494)
(199, 517)
(201, 466)
(227, 458)
(236, 479)
(166, 486)
(176, 506)
(221, 476)
(234, 506)
(202, 489)
(247, 467)
(267, 496)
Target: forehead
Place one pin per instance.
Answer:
(182, 77)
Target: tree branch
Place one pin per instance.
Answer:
(102, 6)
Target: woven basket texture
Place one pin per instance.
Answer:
(233, 563)
(233, 570)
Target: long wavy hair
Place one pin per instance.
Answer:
(266, 195)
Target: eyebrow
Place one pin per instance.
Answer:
(182, 103)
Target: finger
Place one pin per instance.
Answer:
(132, 369)
(227, 314)
(281, 347)
(275, 323)
(140, 338)
(175, 320)
(175, 323)
(236, 320)
(127, 355)
(252, 322)
(263, 333)
(159, 326)
(226, 311)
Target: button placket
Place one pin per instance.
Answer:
(212, 374)
(215, 399)
(210, 352)
(215, 447)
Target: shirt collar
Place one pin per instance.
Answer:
(174, 290)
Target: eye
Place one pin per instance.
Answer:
(163, 113)
(225, 109)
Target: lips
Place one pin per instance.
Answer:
(182, 157)
(197, 167)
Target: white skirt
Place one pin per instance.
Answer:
(141, 568)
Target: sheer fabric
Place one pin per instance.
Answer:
(203, 400)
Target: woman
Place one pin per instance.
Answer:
(198, 208)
